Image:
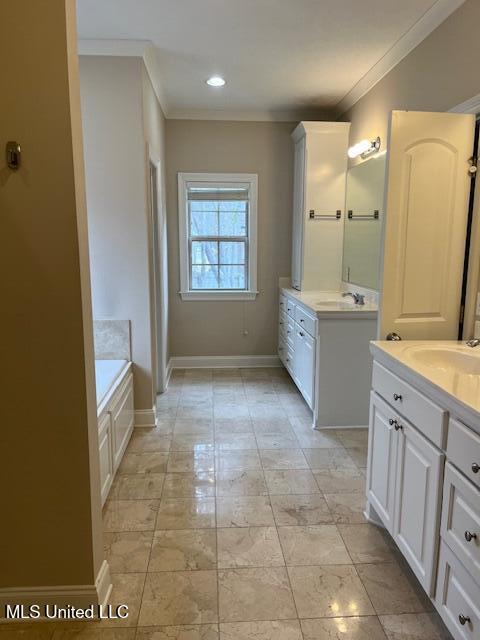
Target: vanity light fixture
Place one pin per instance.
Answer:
(215, 81)
(364, 148)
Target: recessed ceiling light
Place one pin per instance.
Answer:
(215, 81)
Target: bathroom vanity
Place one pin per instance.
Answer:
(423, 474)
(323, 341)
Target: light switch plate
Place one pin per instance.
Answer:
(477, 310)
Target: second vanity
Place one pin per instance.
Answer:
(323, 343)
(423, 474)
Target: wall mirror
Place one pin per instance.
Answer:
(363, 222)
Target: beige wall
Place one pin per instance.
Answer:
(116, 131)
(441, 72)
(50, 531)
(265, 148)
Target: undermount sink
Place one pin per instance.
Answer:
(455, 360)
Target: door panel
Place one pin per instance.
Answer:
(416, 526)
(425, 224)
(382, 457)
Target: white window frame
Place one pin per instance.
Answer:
(217, 178)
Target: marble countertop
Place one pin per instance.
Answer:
(331, 304)
(458, 380)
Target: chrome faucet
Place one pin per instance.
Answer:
(358, 298)
(474, 342)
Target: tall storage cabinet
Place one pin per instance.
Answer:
(320, 166)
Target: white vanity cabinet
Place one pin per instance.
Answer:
(423, 484)
(320, 166)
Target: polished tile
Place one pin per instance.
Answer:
(181, 632)
(358, 455)
(233, 425)
(244, 511)
(313, 544)
(144, 440)
(249, 547)
(86, 631)
(283, 459)
(28, 631)
(234, 441)
(355, 628)
(391, 589)
(277, 441)
(353, 437)
(137, 486)
(329, 591)
(151, 462)
(415, 626)
(255, 594)
(128, 551)
(272, 426)
(130, 515)
(232, 410)
(264, 630)
(243, 459)
(367, 543)
(284, 481)
(186, 513)
(250, 482)
(341, 481)
(126, 589)
(190, 461)
(191, 426)
(200, 484)
(179, 597)
(192, 442)
(319, 459)
(313, 439)
(347, 508)
(300, 509)
(260, 410)
(184, 550)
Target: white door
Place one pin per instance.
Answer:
(298, 212)
(382, 459)
(428, 188)
(417, 500)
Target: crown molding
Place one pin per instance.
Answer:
(469, 106)
(430, 20)
(256, 115)
(129, 49)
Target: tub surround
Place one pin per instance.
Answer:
(323, 343)
(112, 339)
(423, 473)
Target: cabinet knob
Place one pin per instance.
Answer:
(463, 619)
(475, 467)
(301, 334)
(397, 396)
(470, 536)
(302, 320)
(391, 422)
(398, 427)
(280, 323)
(281, 304)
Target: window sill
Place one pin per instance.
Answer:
(218, 295)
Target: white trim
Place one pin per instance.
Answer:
(76, 595)
(145, 417)
(252, 180)
(254, 115)
(430, 20)
(224, 362)
(168, 373)
(469, 106)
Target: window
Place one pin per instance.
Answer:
(218, 227)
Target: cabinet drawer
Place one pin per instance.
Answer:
(463, 449)
(429, 418)
(282, 325)
(461, 519)
(290, 307)
(306, 321)
(457, 597)
(290, 333)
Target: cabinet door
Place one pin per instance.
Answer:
(382, 460)
(298, 212)
(122, 420)
(417, 502)
(105, 455)
(305, 364)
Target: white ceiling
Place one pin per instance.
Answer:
(280, 57)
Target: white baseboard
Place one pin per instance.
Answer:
(145, 417)
(78, 596)
(223, 362)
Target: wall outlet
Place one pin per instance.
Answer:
(477, 310)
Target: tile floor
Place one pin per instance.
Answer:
(234, 520)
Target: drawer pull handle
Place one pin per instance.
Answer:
(281, 304)
(396, 397)
(398, 427)
(463, 619)
(394, 423)
(475, 467)
(470, 536)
